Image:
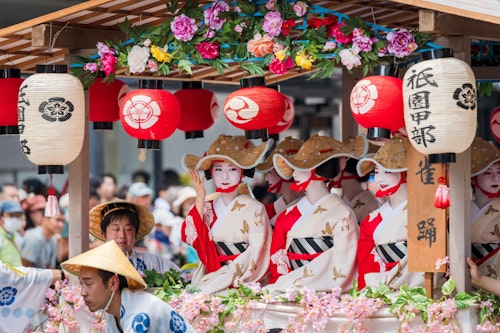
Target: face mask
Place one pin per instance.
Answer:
(12, 224)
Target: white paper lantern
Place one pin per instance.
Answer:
(51, 109)
(440, 108)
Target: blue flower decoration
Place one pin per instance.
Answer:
(177, 323)
(7, 296)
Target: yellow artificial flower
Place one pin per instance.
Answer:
(280, 55)
(304, 60)
(160, 55)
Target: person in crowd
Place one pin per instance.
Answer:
(481, 281)
(382, 247)
(23, 290)
(110, 283)
(140, 193)
(10, 240)
(34, 186)
(361, 200)
(140, 176)
(314, 241)
(485, 207)
(126, 222)
(34, 208)
(9, 191)
(278, 185)
(160, 242)
(230, 233)
(39, 246)
(108, 187)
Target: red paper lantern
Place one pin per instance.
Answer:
(495, 124)
(10, 82)
(199, 109)
(254, 108)
(377, 104)
(150, 114)
(286, 121)
(104, 102)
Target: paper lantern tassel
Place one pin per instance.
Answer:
(52, 207)
(442, 199)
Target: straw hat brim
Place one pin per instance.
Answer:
(146, 219)
(245, 159)
(358, 146)
(107, 257)
(483, 155)
(267, 165)
(367, 164)
(285, 165)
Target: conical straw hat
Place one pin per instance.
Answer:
(287, 147)
(234, 149)
(314, 152)
(96, 214)
(483, 155)
(390, 157)
(107, 257)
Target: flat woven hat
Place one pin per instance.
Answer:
(391, 157)
(287, 147)
(358, 146)
(483, 155)
(96, 214)
(234, 149)
(108, 257)
(317, 150)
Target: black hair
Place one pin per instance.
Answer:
(350, 167)
(141, 176)
(116, 212)
(171, 178)
(109, 175)
(329, 169)
(105, 276)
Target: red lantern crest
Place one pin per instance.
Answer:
(286, 121)
(377, 104)
(150, 115)
(495, 124)
(199, 109)
(254, 108)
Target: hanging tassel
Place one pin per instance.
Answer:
(52, 207)
(442, 199)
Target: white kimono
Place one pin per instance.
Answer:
(145, 313)
(21, 296)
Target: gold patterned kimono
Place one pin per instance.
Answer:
(363, 204)
(232, 242)
(485, 237)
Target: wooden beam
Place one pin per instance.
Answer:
(440, 23)
(49, 35)
(455, 9)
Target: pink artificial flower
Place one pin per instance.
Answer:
(270, 4)
(147, 42)
(339, 35)
(357, 32)
(401, 43)
(260, 46)
(209, 34)
(329, 46)
(441, 261)
(103, 49)
(272, 24)
(183, 28)
(108, 63)
(238, 28)
(300, 8)
(211, 15)
(362, 43)
(350, 58)
(280, 67)
(153, 66)
(208, 50)
(92, 67)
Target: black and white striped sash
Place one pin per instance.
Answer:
(392, 252)
(304, 250)
(229, 251)
(482, 250)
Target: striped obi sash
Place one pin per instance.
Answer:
(392, 252)
(480, 251)
(229, 251)
(304, 250)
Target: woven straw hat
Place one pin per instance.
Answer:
(96, 214)
(483, 155)
(358, 146)
(287, 147)
(391, 157)
(107, 257)
(315, 151)
(234, 149)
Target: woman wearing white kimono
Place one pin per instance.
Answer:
(314, 242)
(382, 251)
(230, 233)
(485, 207)
(278, 185)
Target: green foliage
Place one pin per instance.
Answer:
(168, 284)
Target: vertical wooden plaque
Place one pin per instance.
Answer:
(427, 231)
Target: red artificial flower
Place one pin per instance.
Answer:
(339, 35)
(208, 50)
(280, 67)
(315, 23)
(286, 26)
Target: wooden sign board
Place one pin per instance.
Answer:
(427, 231)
